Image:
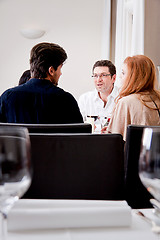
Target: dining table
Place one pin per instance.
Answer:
(81, 220)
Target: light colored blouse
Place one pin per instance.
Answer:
(130, 110)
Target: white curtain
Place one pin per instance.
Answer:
(129, 31)
(138, 27)
(120, 40)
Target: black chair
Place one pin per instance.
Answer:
(77, 166)
(136, 194)
(54, 128)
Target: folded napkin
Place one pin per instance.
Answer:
(49, 214)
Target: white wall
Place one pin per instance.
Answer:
(76, 25)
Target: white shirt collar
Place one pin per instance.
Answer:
(113, 94)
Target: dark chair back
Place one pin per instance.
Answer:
(77, 166)
(54, 128)
(136, 194)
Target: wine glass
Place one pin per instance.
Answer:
(105, 121)
(149, 161)
(15, 169)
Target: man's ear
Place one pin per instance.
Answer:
(51, 70)
(114, 78)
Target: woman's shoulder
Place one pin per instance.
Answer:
(129, 98)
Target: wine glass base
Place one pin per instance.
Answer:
(156, 206)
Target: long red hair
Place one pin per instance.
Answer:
(141, 77)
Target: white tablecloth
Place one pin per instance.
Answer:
(137, 230)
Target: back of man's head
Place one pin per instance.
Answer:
(45, 55)
(105, 63)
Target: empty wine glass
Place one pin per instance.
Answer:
(149, 161)
(15, 169)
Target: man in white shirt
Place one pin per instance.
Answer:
(100, 102)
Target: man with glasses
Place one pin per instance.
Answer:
(100, 102)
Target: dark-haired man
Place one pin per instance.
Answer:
(100, 102)
(40, 100)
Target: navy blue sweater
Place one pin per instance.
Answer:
(38, 101)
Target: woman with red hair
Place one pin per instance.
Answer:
(139, 100)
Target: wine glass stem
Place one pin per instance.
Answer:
(4, 227)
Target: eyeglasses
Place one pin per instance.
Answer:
(103, 76)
